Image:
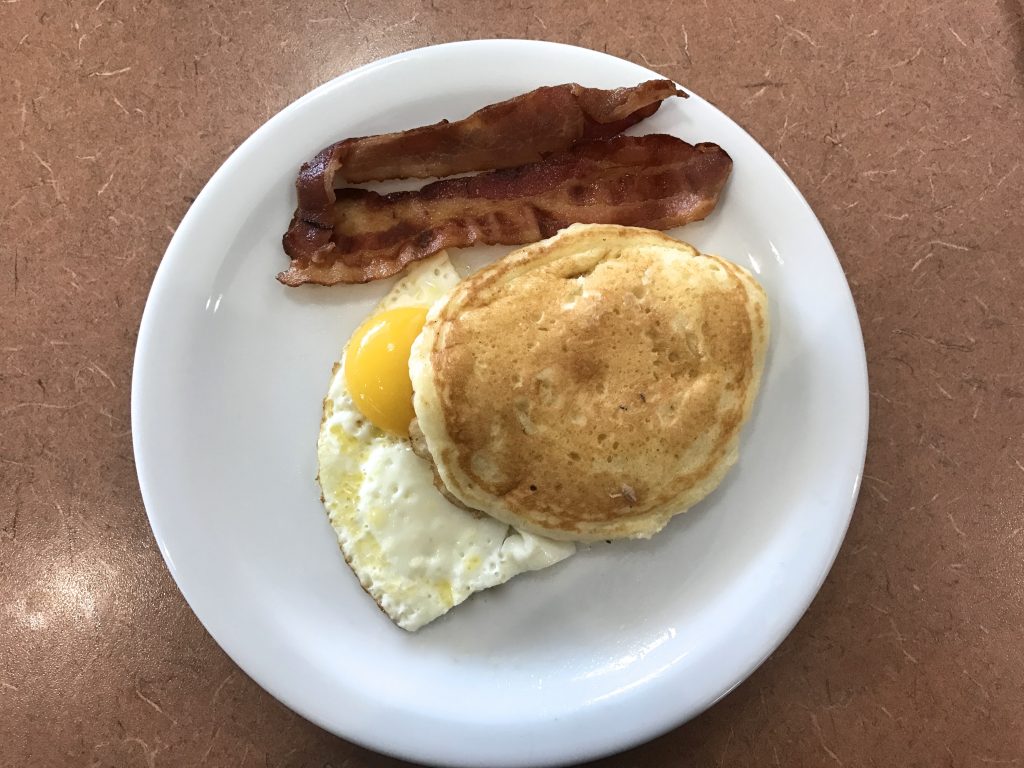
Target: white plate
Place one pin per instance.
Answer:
(606, 650)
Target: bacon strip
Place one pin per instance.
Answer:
(521, 130)
(654, 181)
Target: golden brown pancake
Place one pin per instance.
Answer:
(592, 385)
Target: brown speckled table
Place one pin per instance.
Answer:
(902, 122)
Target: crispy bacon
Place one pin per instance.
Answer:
(520, 130)
(654, 181)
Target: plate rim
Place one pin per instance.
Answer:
(645, 730)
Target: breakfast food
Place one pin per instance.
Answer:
(653, 181)
(589, 386)
(593, 385)
(413, 551)
(553, 157)
(520, 130)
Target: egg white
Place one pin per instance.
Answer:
(413, 551)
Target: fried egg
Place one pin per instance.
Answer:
(414, 552)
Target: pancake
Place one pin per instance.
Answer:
(592, 385)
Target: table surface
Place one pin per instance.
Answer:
(902, 124)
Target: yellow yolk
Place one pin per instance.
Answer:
(377, 367)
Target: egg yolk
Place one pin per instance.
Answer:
(377, 367)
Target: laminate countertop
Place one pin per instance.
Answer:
(902, 124)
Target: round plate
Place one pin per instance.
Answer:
(610, 648)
